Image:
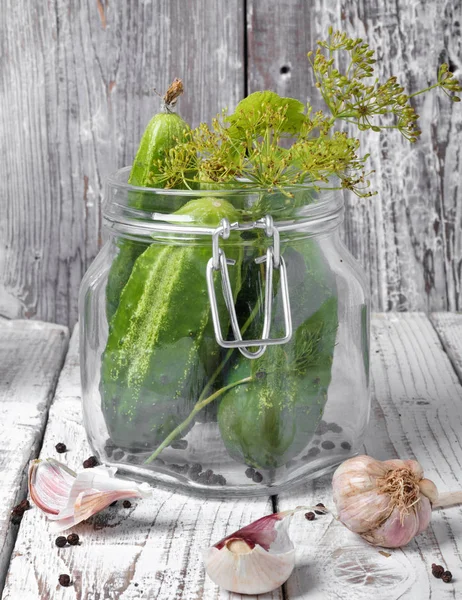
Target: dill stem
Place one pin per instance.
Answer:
(197, 408)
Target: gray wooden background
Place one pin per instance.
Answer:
(76, 83)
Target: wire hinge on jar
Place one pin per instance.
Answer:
(273, 260)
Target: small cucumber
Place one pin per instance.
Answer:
(163, 132)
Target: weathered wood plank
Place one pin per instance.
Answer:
(408, 237)
(31, 356)
(76, 91)
(416, 413)
(150, 551)
(449, 329)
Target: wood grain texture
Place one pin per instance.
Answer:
(149, 551)
(409, 236)
(76, 92)
(416, 413)
(31, 356)
(449, 329)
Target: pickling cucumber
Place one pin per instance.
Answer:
(271, 419)
(161, 347)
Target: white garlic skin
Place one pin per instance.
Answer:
(371, 514)
(250, 571)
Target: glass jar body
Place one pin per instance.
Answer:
(163, 400)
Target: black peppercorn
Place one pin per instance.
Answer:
(127, 504)
(60, 448)
(73, 539)
(447, 577)
(328, 445)
(250, 472)
(257, 477)
(320, 512)
(91, 462)
(345, 446)
(18, 511)
(64, 580)
(437, 571)
(310, 516)
(61, 541)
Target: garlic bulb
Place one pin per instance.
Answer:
(386, 502)
(67, 498)
(256, 559)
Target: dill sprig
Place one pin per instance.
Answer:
(275, 142)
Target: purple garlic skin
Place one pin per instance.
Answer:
(386, 502)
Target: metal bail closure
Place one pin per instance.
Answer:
(273, 260)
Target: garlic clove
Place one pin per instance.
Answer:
(246, 570)
(364, 512)
(68, 498)
(50, 483)
(429, 489)
(399, 530)
(256, 559)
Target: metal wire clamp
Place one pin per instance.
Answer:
(273, 260)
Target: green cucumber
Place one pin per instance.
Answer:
(161, 347)
(271, 419)
(163, 132)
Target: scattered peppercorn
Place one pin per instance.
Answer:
(118, 454)
(250, 472)
(310, 516)
(61, 541)
(257, 477)
(312, 452)
(127, 504)
(322, 428)
(320, 512)
(328, 445)
(19, 510)
(437, 571)
(91, 462)
(60, 448)
(447, 577)
(221, 480)
(73, 539)
(64, 580)
(179, 444)
(334, 427)
(345, 445)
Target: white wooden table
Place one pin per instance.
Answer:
(152, 549)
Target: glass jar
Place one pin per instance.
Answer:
(224, 337)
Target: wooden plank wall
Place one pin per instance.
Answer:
(76, 85)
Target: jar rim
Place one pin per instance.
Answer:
(119, 179)
(324, 206)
